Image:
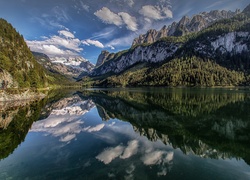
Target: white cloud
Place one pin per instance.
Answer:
(94, 129)
(156, 12)
(129, 21)
(130, 2)
(153, 158)
(109, 17)
(111, 47)
(63, 44)
(157, 157)
(66, 34)
(96, 43)
(130, 150)
(119, 19)
(110, 154)
(51, 49)
(67, 138)
(63, 122)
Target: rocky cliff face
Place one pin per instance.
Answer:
(226, 42)
(232, 42)
(104, 56)
(142, 54)
(7, 80)
(219, 46)
(184, 26)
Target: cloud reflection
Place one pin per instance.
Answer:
(110, 154)
(65, 120)
(130, 150)
(94, 129)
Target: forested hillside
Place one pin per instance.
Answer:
(18, 68)
(219, 55)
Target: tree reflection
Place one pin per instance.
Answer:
(209, 123)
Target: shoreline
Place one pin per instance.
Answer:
(24, 95)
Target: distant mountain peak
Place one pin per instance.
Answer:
(185, 25)
(71, 66)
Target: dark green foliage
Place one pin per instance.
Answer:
(16, 132)
(195, 63)
(16, 58)
(193, 71)
(54, 77)
(190, 118)
(189, 71)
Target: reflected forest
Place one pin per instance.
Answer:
(209, 123)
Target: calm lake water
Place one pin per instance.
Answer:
(144, 134)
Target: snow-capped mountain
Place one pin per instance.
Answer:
(71, 66)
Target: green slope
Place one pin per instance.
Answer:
(189, 66)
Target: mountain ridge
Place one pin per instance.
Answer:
(70, 66)
(225, 44)
(184, 26)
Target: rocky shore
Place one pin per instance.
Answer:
(20, 95)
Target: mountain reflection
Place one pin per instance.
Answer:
(208, 123)
(64, 120)
(16, 119)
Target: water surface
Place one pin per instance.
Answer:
(154, 133)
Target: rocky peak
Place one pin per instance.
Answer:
(185, 26)
(102, 57)
(247, 10)
(184, 21)
(70, 66)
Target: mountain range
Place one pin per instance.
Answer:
(185, 25)
(215, 53)
(70, 66)
(208, 49)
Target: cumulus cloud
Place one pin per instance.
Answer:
(129, 21)
(94, 129)
(109, 17)
(130, 150)
(63, 44)
(152, 158)
(51, 49)
(110, 154)
(64, 122)
(96, 43)
(161, 158)
(156, 12)
(64, 127)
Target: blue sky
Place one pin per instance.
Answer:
(86, 27)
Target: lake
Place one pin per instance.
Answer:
(147, 133)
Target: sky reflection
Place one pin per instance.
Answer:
(75, 142)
